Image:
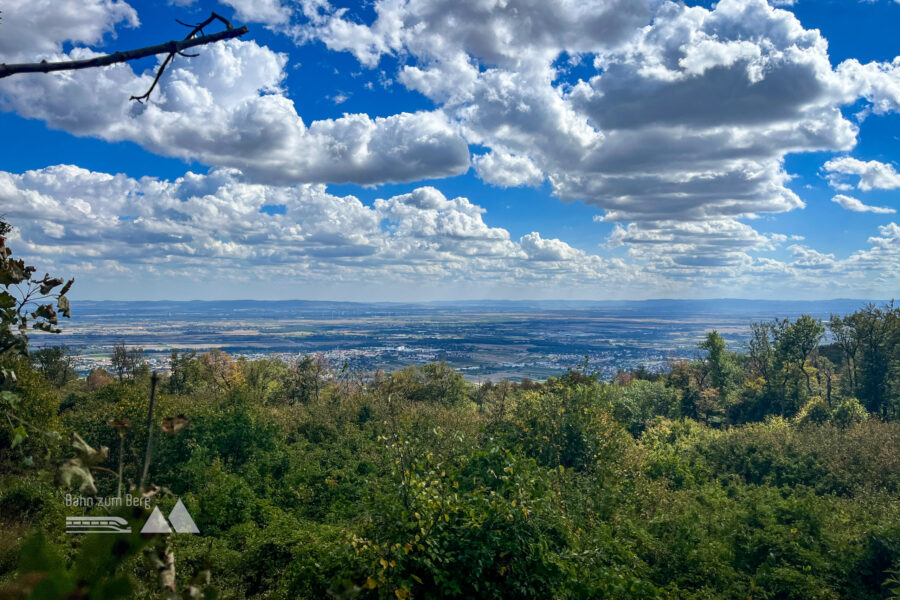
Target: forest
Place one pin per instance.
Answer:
(770, 471)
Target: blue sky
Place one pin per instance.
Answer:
(436, 149)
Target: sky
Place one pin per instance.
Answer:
(410, 150)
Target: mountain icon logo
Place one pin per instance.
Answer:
(179, 520)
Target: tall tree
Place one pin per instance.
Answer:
(119, 360)
(846, 335)
(780, 351)
(796, 341)
(307, 379)
(878, 331)
(181, 367)
(55, 363)
(720, 363)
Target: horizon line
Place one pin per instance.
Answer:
(536, 300)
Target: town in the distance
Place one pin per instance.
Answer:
(483, 340)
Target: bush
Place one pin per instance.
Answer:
(396, 489)
(815, 411)
(636, 404)
(849, 412)
(561, 427)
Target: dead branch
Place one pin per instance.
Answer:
(173, 47)
(153, 380)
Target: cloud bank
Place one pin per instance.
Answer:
(220, 227)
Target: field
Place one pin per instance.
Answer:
(483, 340)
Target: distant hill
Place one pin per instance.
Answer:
(325, 309)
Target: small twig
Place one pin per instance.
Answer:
(172, 48)
(159, 73)
(23, 421)
(104, 469)
(196, 29)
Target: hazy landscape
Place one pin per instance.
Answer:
(487, 340)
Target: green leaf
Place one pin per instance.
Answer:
(7, 300)
(38, 555)
(14, 271)
(19, 436)
(9, 398)
(120, 587)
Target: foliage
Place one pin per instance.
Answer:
(26, 301)
(869, 340)
(55, 363)
(126, 360)
(729, 476)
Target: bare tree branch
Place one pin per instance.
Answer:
(173, 47)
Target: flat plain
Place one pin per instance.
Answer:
(483, 340)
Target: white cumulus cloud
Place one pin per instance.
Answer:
(688, 114)
(856, 205)
(225, 107)
(872, 174)
(222, 226)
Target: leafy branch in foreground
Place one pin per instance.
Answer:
(26, 300)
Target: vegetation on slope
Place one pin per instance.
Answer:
(773, 473)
